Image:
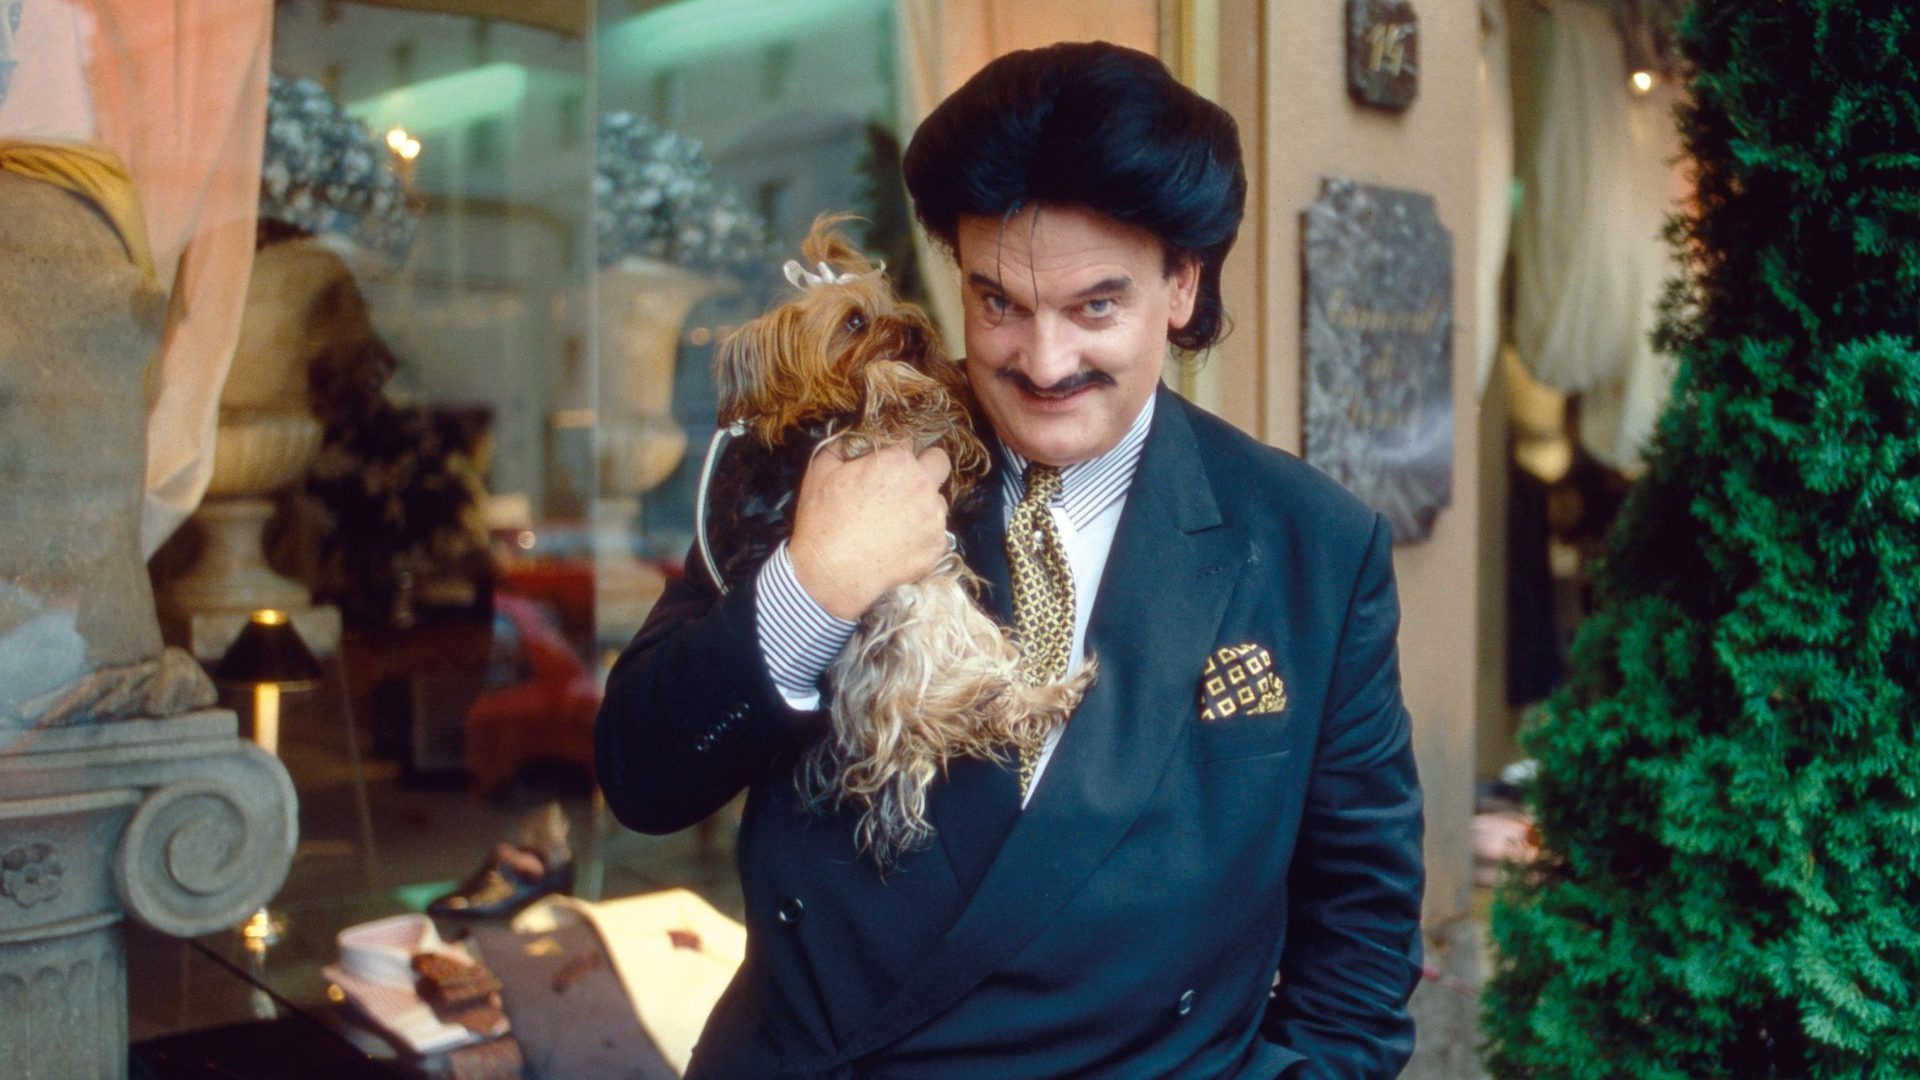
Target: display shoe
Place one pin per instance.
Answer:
(512, 877)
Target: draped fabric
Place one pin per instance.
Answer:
(92, 172)
(923, 83)
(176, 91)
(47, 100)
(1590, 263)
(1495, 185)
(941, 43)
(181, 92)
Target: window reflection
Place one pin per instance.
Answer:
(461, 438)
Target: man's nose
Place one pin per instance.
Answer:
(1051, 354)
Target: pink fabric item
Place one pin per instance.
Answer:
(1501, 837)
(375, 973)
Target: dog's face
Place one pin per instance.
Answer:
(848, 357)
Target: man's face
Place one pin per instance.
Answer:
(1067, 314)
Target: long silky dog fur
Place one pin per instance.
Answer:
(927, 676)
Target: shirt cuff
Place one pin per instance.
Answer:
(798, 637)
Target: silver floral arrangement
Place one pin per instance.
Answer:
(324, 174)
(655, 196)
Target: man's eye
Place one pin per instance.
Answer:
(856, 322)
(1099, 309)
(997, 304)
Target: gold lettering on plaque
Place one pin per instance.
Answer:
(1387, 47)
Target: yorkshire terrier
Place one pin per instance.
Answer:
(927, 676)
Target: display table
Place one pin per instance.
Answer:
(611, 991)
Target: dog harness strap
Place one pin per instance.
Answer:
(1043, 600)
(720, 438)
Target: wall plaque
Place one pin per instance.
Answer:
(1378, 347)
(1383, 45)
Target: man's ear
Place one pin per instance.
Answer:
(1184, 286)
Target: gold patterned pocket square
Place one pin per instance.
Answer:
(1239, 681)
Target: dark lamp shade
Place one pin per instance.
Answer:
(268, 650)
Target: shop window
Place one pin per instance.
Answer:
(569, 120)
(506, 381)
(483, 142)
(775, 71)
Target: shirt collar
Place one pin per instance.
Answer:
(1090, 487)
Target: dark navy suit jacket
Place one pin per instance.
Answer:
(1181, 898)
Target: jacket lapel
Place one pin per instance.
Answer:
(1164, 592)
(976, 806)
(982, 536)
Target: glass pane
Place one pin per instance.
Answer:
(420, 300)
(722, 136)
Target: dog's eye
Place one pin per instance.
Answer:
(856, 322)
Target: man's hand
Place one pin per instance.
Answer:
(862, 527)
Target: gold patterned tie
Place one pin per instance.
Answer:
(1042, 592)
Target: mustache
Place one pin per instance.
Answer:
(1076, 381)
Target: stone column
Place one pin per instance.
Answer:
(120, 793)
(176, 822)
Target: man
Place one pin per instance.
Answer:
(1188, 881)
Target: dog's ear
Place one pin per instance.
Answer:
(771, 372)
(826, 243)
(742, 364)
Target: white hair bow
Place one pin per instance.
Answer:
(803, 278)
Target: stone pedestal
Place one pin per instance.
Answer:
(232, 574)
(254, 456)
(175, 822)
(624, 588)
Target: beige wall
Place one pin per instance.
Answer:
(1282, 74)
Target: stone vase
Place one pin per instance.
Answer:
(643, 305)
(267, 437)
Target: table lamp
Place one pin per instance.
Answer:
(267, 657)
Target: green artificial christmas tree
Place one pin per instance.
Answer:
(1729, 787)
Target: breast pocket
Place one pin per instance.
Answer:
(1248, 739)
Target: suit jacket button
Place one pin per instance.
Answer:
(1186, 1003)
(791, 909)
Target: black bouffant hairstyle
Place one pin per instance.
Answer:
(1092, 125)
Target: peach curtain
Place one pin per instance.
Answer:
(179, 93)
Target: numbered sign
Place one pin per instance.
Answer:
(1383, 53)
